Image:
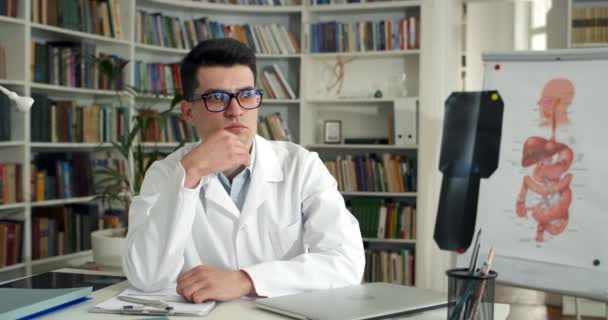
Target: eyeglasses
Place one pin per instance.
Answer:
(218, 101)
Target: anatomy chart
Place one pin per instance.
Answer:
(548, 200)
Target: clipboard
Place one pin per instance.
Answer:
(172, 304)
(149, 312)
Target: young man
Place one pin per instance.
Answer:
(235, 214)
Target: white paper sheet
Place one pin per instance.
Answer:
(168, 296)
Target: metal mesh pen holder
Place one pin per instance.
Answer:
(470, 297)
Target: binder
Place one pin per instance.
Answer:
(405, 121)
(20, 303)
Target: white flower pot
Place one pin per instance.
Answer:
(108, 247)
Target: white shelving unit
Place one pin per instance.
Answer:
(68, 146)
(379, 194)
(362, 113)
(305, 71)
(361, 147)
(57, 202)
(398, 241)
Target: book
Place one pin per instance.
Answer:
(19, 303)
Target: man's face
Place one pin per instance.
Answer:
(236, 120)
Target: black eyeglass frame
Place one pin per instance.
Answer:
(232, 96)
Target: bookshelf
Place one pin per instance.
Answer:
(305, 71)
(587, 23)
(363, 114)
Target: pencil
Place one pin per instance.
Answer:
(485, 272)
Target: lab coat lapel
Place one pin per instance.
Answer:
(267, 169)
(215, 193)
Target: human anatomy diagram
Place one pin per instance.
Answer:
(545, 194)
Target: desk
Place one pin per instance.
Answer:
(240, 309)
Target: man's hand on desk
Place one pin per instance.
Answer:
(203, 283)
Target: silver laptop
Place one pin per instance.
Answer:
(366, 301)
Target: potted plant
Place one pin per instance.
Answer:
(116, 190)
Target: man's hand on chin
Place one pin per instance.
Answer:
(203, 283)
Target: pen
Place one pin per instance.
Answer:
(146, 302)
(475, 252)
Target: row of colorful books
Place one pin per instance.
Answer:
(65, 121)
(101, 17)
(397, 267)
(256, 2)
(63, 230)
(56, 231)
(158, 78)
(173, 32)
(73, 64)
(3, 66)
(53, 176)
(5, 117)
(362, 36)
(373, 173)
(384, 220)
(11, 242)
(168, 128)
(590, 25)
(9, 8)
(165, 79)
(61, 176)
(11, 183)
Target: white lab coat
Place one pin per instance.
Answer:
(293, 234)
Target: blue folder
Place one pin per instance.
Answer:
(18, 303)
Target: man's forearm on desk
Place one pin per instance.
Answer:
(157, 239)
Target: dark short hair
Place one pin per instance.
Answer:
(225, 52)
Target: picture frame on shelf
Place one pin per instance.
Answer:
(332, 132)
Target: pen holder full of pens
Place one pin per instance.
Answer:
(470, 295)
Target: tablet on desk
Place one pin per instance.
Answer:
(366, 301)
(54, 280)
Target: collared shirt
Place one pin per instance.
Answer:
(240, 184)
